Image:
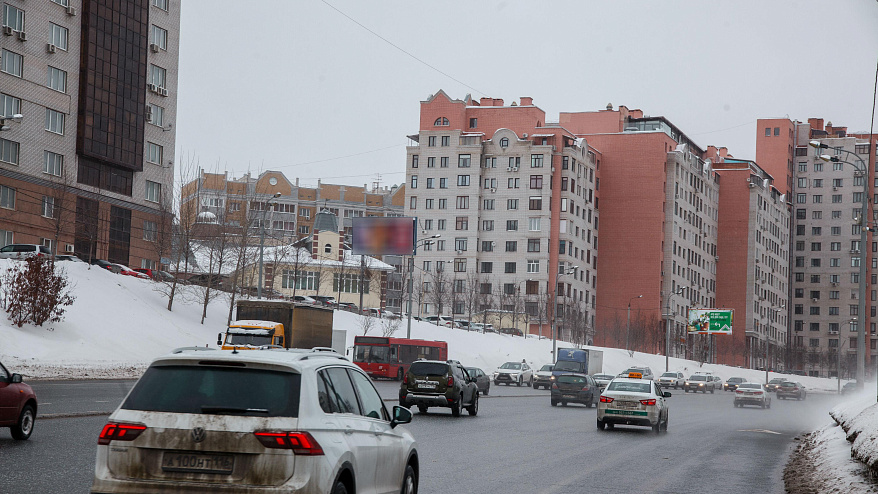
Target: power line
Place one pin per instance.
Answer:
(382, 38)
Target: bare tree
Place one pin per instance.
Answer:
(367, 323)
(389, 325)
(440, 291)
(59, 208)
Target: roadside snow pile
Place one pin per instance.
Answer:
(822, 463)
(859, 419)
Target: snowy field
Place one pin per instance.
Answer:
(118, 324)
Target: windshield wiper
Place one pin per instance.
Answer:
(232, 410)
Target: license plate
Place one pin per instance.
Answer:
(570, 397)
(427, 385)
(611, 411)
(625, 404)
(197, 462)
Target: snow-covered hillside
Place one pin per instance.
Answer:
(119, 323)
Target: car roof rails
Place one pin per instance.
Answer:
(191, 349)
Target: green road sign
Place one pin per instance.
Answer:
(710, 321)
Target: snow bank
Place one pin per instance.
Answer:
(859, 419)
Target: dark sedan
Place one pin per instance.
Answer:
(732, 383)
(791, 389)
(18, 405)
(575, 388)
(483, 381)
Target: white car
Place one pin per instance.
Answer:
(218, 421)
(669, 379)
(23, 251)
(752, 394)
(517, 373)
(543, 377)
(633, 402)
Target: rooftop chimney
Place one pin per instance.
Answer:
(527, 101)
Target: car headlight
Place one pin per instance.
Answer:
(552, 378)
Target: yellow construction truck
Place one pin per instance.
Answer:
(261, 323)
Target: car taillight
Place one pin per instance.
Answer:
(585, 388)
(758, 393)
(739, 392)
(648, 403)
(120, 432)
(606, 399)
(405, 380)
(450, 381)
(301, 443)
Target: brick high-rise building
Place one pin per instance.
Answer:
(514, 200)
(89, 168)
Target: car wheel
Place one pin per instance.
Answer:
(409, 481)
(474, 408)
(554, 403)
(455, 409)
(531, 381)
(496, 383)
(611, 425)
(665, 425)
(763, 405)
(519, 382)
(25, 425)
(657, 427)
(601, 425)
(488, 389)
(422, 409)
(340, 488)
(712, 390)
(536, 386)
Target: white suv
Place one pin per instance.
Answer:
(263, 420)
(23, 251)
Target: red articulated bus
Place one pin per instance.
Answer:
(391, 357)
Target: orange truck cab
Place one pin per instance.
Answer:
(250, 334)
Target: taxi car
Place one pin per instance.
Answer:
(752, 394)
(633, 401)
(272, 420)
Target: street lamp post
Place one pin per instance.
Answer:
(15, 118)
(668, 326)
(411, 271)
(262, 244)
(864, 229)
(628, 326)
(571, 270)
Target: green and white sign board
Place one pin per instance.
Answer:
(710, 321)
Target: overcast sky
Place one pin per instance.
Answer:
(330, 89)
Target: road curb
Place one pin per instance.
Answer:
(46, 416)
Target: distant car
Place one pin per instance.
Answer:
(633, 402)
(603, 379)
(718, 382)
(699, 382)
(790, 389)
(325, 300)
(257, 421)
(18, 405)
(671, 379)
(849, 387)
(102, 264)
(434, 383)
(774, 383)
(732, 383)
(126, 271)
(304, 299)
(68, 257)
(752, 394)
(517, 373)
(645, 372)
(156, 274)
(512, 331)
(543, 377)
(23, 251)
(348, 306)
(575, 388)
(483, 381)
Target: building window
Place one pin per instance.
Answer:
(162, 4)
(431, 141)
(511, 246)
(9, 105)
(533, 245)
(446, 141)
(536, 181)
(460, 265)
(511, 225)
(443, 162)
(48, 207)
(431, 183)
(460, 244)
(58, 36)
(535, 203)
(441, 121)
(487, 246)
(511, 204)
(462, 202)
(413, 203)
(56, 79)
(463, 161)
(52, 163)
(504, 142)
(512, 183)
(443, 183)
(473, 123)
(414, 161)
(159, 37)
(536, 161)
(428, 203)
(533, 224)
(461, 223)
(13, 17)
(487, 225)
(533, 266)
(463, 180)
(777, 131)
(509, 268)
(150, 231)
(153, 191)
(488, 204)
(414, 181)
(9, 151)
(157, 76)
(768, 132)
(156, 115)
(7, 197)
(153, 153)
(54, 121)
(443, 204)
(11, 63)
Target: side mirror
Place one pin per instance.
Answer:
(401, 415)
(666, 394)
(16, 378)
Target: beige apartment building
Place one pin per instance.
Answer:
(88, 167)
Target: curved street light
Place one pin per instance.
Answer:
(17, 118)
(411, 270)
(262, 243)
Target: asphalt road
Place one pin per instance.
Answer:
(517, 444)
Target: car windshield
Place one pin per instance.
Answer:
(546, 368)
(567, 365)
(216, 390)
(635, 369)
(603, 376)
(248, 339)
(628, 386)
(775, 381)
(472, 371)
(698, 378)
(511, 365)
(428, 369)
(571, 379)
(736, 380)
(750, 386)
(788, 385)
(669, 374)
(369, 353)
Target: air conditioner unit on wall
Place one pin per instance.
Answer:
(163, 91)
(68, 248)
(22, 36)
(7, 30)
(71, 11)
(153, 47)
(151, 87)
(50, 48)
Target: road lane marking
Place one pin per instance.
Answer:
(763, 431)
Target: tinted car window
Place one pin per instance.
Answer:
(8, 248)
(4, 376)
(571, 379)
(511, 365)
(568, 365)
(546, 368)
(340, 390)
(628, 386)
(373, 405)
(698, 378)
(428, 369)
(750, 386)
(219, 390)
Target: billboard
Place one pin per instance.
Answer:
(710, 321)
(378, 236)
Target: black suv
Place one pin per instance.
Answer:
(432, 383)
